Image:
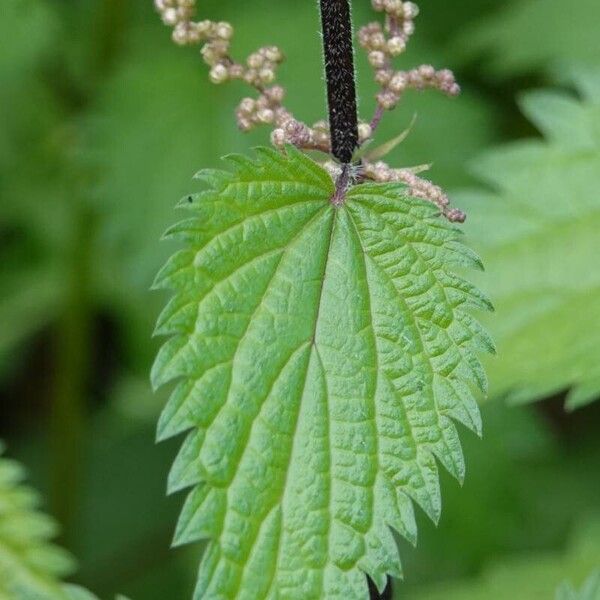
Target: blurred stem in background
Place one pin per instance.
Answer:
(75, 335)
(73, 354)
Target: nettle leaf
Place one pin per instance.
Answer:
(538, 233)
(321, 355)
(30, 565)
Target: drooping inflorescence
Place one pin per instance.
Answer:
(382, 41)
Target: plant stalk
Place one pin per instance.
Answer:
(74, 336)
(73, 357)
(336, 23)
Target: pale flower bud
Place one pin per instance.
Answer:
(278, 137)
(266, 115)
(169, 16)
(364, 132)
(398, 82)
(224, 31)
(396, 45)
(247, 106)
(255, 60)
(219, 74)
(275, 94)
(267, 75)
(377, 59)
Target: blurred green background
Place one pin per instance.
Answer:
(103, 123)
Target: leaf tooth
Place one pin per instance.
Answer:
(396, 508)
(171, 422)
(171, 361)
(455, 399)
(200, 516)
(216, 178)
(316, 173)
(448, 450)
(186, 470)
(382, 556)
(195, 401)
(468, 367)
(481, 339)
(275, 161)
(463, 291)
(244, 167)
(406, 525)
(208, 565)
(464, 256)
(177, 317)
(583, 394)
(479, 374)
(174, 270)
(188, 230)
(427, 495)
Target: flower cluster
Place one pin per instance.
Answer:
(417, 187)
(316, 137)
(260, 66)
(258, 71)
(384, 42)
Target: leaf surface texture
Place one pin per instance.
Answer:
(321, 355)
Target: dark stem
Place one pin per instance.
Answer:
(341, 186)
(339, 72)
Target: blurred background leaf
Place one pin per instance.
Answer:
(537, 231)
(523, 35)
(30, 565)
(533, 576)
(589, 591)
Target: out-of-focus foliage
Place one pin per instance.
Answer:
(535, 34)
(590, 590)
(30, 565)
(532, 576)
(538, 233)
(30, 285)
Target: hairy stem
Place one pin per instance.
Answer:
(339, 71)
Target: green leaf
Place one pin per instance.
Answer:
(321, 355)
(384, 149)
(528, 34)
(532, 575)
(30, 566)
(589, 591)
(538, 234)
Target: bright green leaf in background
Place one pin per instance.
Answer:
(589, 591)
(30, 565)
(322, 355)
(532, 576)
(525, 35)
(538, 233)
